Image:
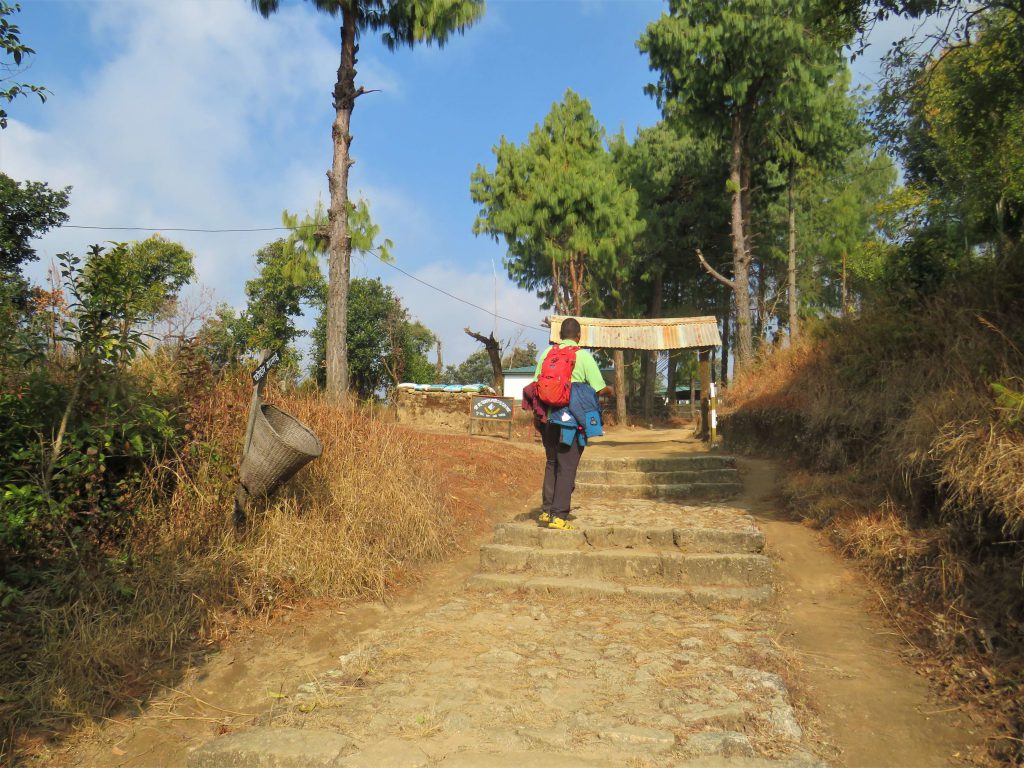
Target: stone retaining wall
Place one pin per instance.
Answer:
(447, 410)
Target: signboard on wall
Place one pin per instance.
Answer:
(492, 408)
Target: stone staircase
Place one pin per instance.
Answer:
(686, 476)
(634, 536)
(719, 563)
(673, 665)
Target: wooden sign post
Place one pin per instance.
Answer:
(483, 409)
(259, 379)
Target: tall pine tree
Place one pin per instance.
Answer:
(569, 223)
(401, 23)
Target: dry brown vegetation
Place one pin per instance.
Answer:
(356, 523)
(905, 431)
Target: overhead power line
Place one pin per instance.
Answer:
(290, 229)
(176, 229)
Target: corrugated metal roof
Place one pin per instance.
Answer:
(659, 333)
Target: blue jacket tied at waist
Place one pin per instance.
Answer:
(581, 418)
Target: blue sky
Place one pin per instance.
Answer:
(202, 114)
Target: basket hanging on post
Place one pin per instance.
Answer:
(281, 445)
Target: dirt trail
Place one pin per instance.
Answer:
(546, 672)
(872, 706)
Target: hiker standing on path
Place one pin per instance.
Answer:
(563, 459)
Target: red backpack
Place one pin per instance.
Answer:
(555, 381)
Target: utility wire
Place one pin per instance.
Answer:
(292, 229)
(452, 295)
(176, 229)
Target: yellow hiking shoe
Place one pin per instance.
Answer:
(544, 517)
(561, 524)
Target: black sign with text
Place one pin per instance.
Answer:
(261, 372)
(492, 408)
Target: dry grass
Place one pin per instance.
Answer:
(916, 467)
(355, 523)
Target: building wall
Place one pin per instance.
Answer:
(514, 386)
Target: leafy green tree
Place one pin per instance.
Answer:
(677, 176)
(385, 347)
(475, 369)
(28, 210)
(223, 338)
(969, 106)
(13, 61)
(401, 23)
(567, 220)
(724, 70)
(80, 427)
(520, 357)
(417, 341)
(819, 131)
(840, 208)
(277, 296)
(135, 281)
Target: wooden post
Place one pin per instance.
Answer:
(241, 495)
(704, 367)
(618, 359)
(713, 420)
(670, 381)
(693, 405)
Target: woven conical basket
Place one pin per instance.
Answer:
(281, 446)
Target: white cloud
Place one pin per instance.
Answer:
(447, 317)
(205, 115)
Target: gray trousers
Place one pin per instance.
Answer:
(559, 471)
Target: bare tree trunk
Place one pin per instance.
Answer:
(740, 255)
(726, 339)
(794, 318)
(577, 270)
(340, 253)
(618, 359)
(670, 379)
(704, 371)
(556, 287)
(439, 365)
(631, 381)
(842, 294)
(761, 309)
(650, 357)
(494, 354)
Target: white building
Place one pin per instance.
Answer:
(516, 380)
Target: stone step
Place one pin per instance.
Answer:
(690, 462)
(671, 491)
(691, 540)
(630, 565)
(703, 596)
(642, 477)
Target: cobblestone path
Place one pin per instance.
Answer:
(643, 638)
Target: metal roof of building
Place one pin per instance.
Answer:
(661, 333)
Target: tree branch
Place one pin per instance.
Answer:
(493, 353)
(714, 272)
